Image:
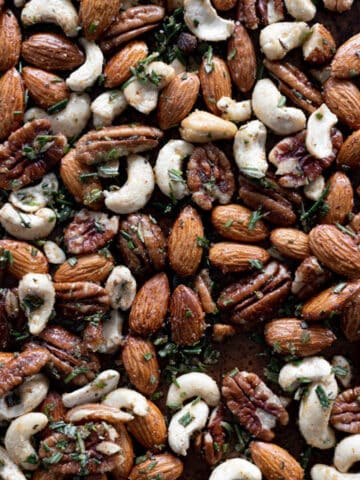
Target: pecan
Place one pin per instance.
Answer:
(29, 153)
(254, 12)
(77, 300)
(5, 339)
(255, 405)
(203, 286)
(54, 409)
(310, 278)
(256, 297)
(295, 165)
(89, 231)
(215, 437)
(93, 336)
(350, 321)
(142, 244)
(209, 176)
(345, 414)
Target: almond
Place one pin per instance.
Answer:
(215, 82)
(141, 365)
(349, 154)
(336, 250)
(24, 258)
(10, 40)
(241, 59)
(185, 242)
(290, 336)
(150, 431)
(236, 257)
(274, 462)
(164, 466)
(12, 104)
(339, 200)
(350, 321)
(50, 51)
(150, 305)
(117, 69)
(232, 222)
(177, 99)
(46, 89)
(95, 17)
(187, 318)
(95, 268)
(291, 243)
(320, 46)
(346, 63)
(126, 457)
(343, 99)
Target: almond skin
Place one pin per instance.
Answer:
(10, 40)
(94, 267)
(46, 89)
(95, 17)
(164, 466)
(12, 104)
(343, 99)
(177, 99)
(340, 199)
(184, 247)
(236, 257)
(346, 63)
(224, 5)
(150, 305)
(274, 462)
(25, 258)
(349, 154)
(150, 431)
(241, 59)
(291, 243)
(117, 69)
(215, 82)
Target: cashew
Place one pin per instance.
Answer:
(137, 190)
(314, 189)
(104, 383)
(277, 39)
(18, 438)
(8, 469)
(121, 288)
(323, 472)
(318, 132)
(61, 12)
(37, 298)
(54, 253)
(26, 226)
(190, 419)
(313, 369)
(235, 469)
(169, 168)
(193, 384)
(112, 333)
(86, 75)
(109, 169)
(203, 21)
(178, 66)
(108, 448)
(33, 198)
(267, 106)
(107, 106)
(234, 111)
(303, 10)
(347, 452)
(203, 127)
(342, 369)
(129, 399)
(249, 149)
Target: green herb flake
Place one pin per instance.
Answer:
(339, 287)
(322, 396)
(186, 419)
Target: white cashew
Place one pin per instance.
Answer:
(310, 369)
(61, 12)
(54, 253)
(129, 399)
(37, 299)
(107, 106)
(318, 132)
(303, 10)
(194, 384)
(234, 111)
(27, 226)
(235, 469)
(137, 190)
(8, 469)
(109, 169)
(104, 383)
(108, 448)
(112, 333)
(18, 438)
(121, 287)
(342, 369)
(33, 198)
(267, 103)
(249, 149)
(278, 39)
(169, 168)
(347, 452)
(87, 74)
(203, 127)
(314, 189)
(190, 419)
(203, 21)
(324, 472)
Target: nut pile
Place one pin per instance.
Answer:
(173, 177)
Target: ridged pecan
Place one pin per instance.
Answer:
(345, 414)
(76, 300)
(255, 298)
(93, 336)
(256, 407)
(54, 409)
(252, 13)
(310, 278)
(214, 437)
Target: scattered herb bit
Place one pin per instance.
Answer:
(72, 261)
(186, 419)
(228, 223)
(257, 264)
(345, 230)
(76, 371)
(202, 242)
(282, 101)
(148, 356)
(232, 54)
(339, 287)
(176, 175)
(57, 107)
(323, 398)
(340, 371)
(254, 218)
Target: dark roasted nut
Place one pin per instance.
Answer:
(203, 287)
(222, 331)
(95, 19)
(54, 409)
(5, 325)
(345, 414)
(77, 300)
(209, 176)
(45, 88)
(350, 321)
(253, 12)
(93, 336)
(142, 244)
(150, 430)
(126, 455)
(214, 437)
(187, 42)
(255, 298)
(12, 103)
(29, 153)
(249, 398)
(164, 466)
(10, 40)
(339, 6)
(241, 59)
(310, 278)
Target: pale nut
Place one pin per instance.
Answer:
(121, 288)
(342, 369)
(107, 106)
(194, 384)
(314, 189)
(112, 331)
(202, 127)
(315, 369)
(303, 10)
(347, 452)
(86, 75)
(234, 469)
(97, 411)
(31, 199)
(54, 253)
(203, 21)
(249, 149)
(124, 398)
(9, 470)
(277, 39)
(27, 226)
(234, 111)
(339, 6)
(318, 133)
(324, 472)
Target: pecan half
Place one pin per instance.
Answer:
(93, 336)
(252, 13)
(256, 297)
(77, 300)
(345, 414)
(29, 153)
(209, 176)
(257, 408)
(203, 287)
(310, 278)
(214, 437)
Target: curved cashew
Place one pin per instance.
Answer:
(234, 111)
(267, 105)
(318, 132)
(315, 188)
(234, 469)
(347, 452)
(18, 438)
(249, 149)
(86, 75)
(112, 333)
(203, 127)
(324, 472)
(121, 288)
(27, 226)
(277, 39)
(129, 399)
(342, 369)
(61, 12)
(190, 419)
(169, 168)
(104, 383)
(194, 384)
(311, 369)
(203, 21)
(31, 199)
(303, 10)
(37, 299)
(136, 192)
(107, 106)
(54, 253)
(9, 470)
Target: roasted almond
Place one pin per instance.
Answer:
(241, 59)
(274, 462)
(10, 40)
(46, 89)
(291, 243)
(320, 46)
(339, 200)
(237, 257)
(93, 267)
(12, 104)
(346, 63)
(349, 154)
(126, 460)
(163, 466)
(350, 321)
(224, 5)
(343, 99)
(117, 69)
(215, 82)
(95, 17)
(150, 305)
(150, 430)
(23, 258)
